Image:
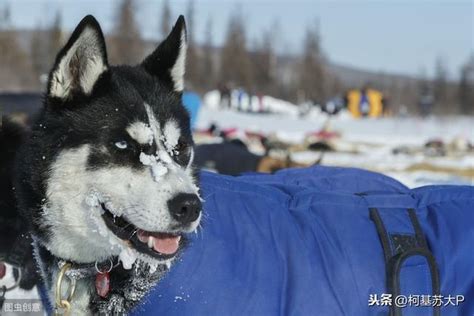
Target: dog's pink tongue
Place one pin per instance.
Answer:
(166, 245)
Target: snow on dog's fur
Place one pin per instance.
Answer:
(107, 173)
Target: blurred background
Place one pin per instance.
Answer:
(382, 85)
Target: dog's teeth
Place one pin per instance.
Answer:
(150, 242)
(144, 238)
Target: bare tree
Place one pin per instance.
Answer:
(466, 87)
(235, 62)
(192, 57)
(5, 17)
(39, 55)
(207, 71)
(45, 44)
(312, 69)
(14, 64)
(264, 63)
(126, 45)
(440, 86)
(190, 15)
(55, 37)
(165, 19)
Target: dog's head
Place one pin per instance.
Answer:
(114, 150)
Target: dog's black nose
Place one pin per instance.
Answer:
(185, 207)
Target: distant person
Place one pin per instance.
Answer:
(260, 102)
(249, 96)
(224, 92)
(403, 111)
(240, 97)
(425, 102)
(333, 106)
(364, 104)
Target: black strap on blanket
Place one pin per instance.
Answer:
(397, 248)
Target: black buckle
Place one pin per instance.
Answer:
(398, 247)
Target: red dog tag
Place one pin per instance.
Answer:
(102, 284)
(3, 270)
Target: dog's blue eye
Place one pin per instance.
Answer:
(121, 144)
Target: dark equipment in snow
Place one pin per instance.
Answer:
(232, 157)
(229, 158)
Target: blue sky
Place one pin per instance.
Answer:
(379, 35)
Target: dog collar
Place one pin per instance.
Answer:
(79, 271)
(101, 271)
(66, 269)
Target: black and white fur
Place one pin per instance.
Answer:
(111, 140)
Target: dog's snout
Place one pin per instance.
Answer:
(185, 207)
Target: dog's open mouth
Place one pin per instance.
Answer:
(158, 245)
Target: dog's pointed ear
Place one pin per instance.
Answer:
(168, 61)
(80, 63)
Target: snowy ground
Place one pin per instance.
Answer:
(367, 143)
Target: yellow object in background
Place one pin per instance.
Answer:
(374, 99)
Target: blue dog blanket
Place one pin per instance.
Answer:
(324, 241)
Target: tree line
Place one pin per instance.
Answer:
(252, 65)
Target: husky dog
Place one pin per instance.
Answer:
(106, 176)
